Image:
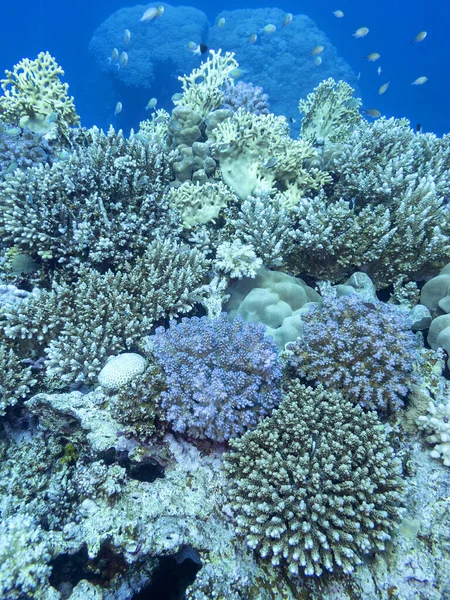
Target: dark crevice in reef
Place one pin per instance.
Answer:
(172, 577)
(148, 469)
(70, 569)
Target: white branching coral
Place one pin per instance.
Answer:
(199, 203)
(436, 423)
(202, 89)
(237, 259)
(330, 112)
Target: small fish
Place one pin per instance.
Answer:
(118, 108)
(237, 72)
(419, 80)
(152, 13)
(358, 77)
(267, 29)
(419, 37)
(379, 70)
(12, 167)
(361, 32)
(372, 112)
(373, 56)
(176, 97)
(52, 118)
(384, 87)
(318, 61)
(126, 37)
(201, 49)
(369, 305)
(221, 22)
(151, 103)
(252, 39)
(191, 46)
(292, 120)
(287, 19)
(270, 163)
(123, 60)
(419, 128)
(316, 51)
(338, 13)
(13, 131)
(114, 55)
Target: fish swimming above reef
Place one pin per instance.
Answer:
(419, 37)
(268, 29)
(287, 19)
(419, 80)
(152, 13)
(126, 37)
(338, 13)
(118, 108)
(384, 87)
(373, 56)
(361, 32)
(372, 112)
(316, 51)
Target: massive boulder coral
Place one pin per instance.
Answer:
(36, 98)
(316, 485)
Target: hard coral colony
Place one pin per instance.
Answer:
(212, 352)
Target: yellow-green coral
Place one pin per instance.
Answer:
(199, 203)
(257, 155)
(156, 128)
(36, 98)
(202, 88)
(331, 112)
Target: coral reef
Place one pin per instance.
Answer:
(22, 148)
(237, 259)
(330, 113)
(77, 326)
(247, 96)
(102, 205)
(275, 299)
(315, 485)
(199, 204)
(364, 349)
(34, 96)
(221, 376)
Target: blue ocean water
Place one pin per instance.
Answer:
(65, 30)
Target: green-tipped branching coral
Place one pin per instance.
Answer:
(316, 485)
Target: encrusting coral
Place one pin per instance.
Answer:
(315, 485)
(36, 98)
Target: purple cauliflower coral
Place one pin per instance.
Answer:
(364, 349)
(247, 96)
(222, 377)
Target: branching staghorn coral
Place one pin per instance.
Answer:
(16, 379)
(237, 259)
(265, 224)
(380, 160)
(222, 377)
(203, 88)
(79, 325)
(330, 112)
(316, 485)
(246, 96)
(257, 155)
(409, 237)
(101, 205)
(364, 349)
(35, 97)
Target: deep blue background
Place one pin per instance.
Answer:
(65, 29)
